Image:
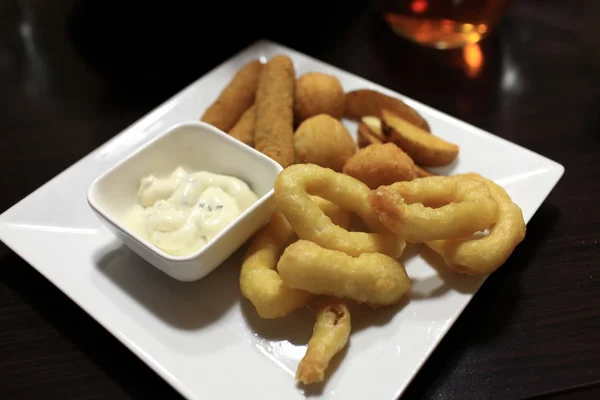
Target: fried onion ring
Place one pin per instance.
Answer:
(372, 278)
(310, 223)
(435, 208)
(259, 282)
(330, 335)
(483, 255)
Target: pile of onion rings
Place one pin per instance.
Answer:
(308, 251)
(310, 255)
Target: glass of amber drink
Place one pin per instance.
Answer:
(443, 24)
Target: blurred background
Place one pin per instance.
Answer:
(151, 50)
(95, 66)
(147, 51)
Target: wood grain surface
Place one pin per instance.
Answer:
(69, 81)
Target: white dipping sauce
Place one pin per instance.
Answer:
(180, 214)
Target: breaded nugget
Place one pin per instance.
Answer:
(325, 141)
(243, 130)
(381, 164)
(318, 93)
(236, 98)
(274, 129)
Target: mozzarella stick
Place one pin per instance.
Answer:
(274, 129)
(236, 98)
(243, 130)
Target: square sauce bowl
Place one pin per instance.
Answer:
(195, 146)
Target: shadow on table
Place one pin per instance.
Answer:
(81, 331)
(486, 315)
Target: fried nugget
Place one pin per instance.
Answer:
(236, 98)
(318, 93)
(381, 164)
(324, 141)
(274, 128)
(360, 103)
(243, 130)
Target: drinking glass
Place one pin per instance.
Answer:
(443, 23)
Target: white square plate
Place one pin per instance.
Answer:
(201, 337)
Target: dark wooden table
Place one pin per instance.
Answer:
(75, 73)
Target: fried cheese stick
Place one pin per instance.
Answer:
(235, 98)
(274, 129)
(243, 130)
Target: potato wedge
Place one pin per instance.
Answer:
(374, 125)
(365, 136)
(364, 102)
(370, 132)
(425, 149)
(422, 173)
